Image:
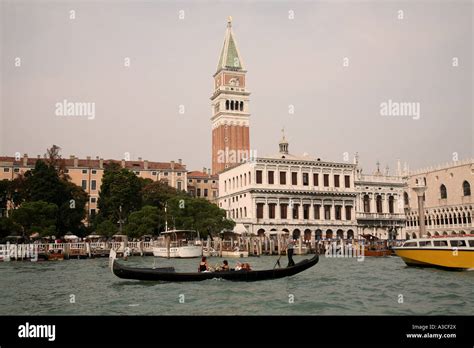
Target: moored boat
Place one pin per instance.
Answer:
(178, 244)
(452, 253)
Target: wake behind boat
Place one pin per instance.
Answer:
(170, 275)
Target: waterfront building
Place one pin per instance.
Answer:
(297, 195)
(448, 202)
(230, 107)
(203, 184)
(87, 173)
(379, 204)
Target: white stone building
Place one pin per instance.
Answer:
(379, 205)
(285, 193)
(448, 202)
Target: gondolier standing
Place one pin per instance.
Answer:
(289, 251)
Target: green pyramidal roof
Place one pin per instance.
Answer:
(230, 57)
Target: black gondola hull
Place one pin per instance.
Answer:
(168, 275)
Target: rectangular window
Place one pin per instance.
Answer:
(94, 171)
(282, 178)
(84, 184)
(190, 181)
(93, 199)
(259, 176)
(457, 243)
(327, 212)
(270, 177)
(16, 170)
(84, 171)
(179, 173)
(317, 209)
(166, 174)
(198, 181)
(348, 213)
(205, 181)
(153, 173)
(93, 185)
(306, 211)
(338, 210)
(271, 210)
(336, 180)
(436, 243)
(6, 170)
(305, 179)
(347, 181)
(205, 192)
(214, 194)
(180, 186)
(316, 179)
(284, 211)
(296, 209)
(198, 192)
(326, 180)
(260, 210)
(294, 178)
(425, 243)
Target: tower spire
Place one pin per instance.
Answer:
(230, 57)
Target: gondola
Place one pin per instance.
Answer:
(168, 274)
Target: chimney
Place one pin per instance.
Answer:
(76, 161)
(184, 166)
(209, 171)
(123, 163)
(204, 170)
(172, 164)
(39, 156)
(145, 164)
(139, 158)
(101, 163)
(180, 161)
(25, 160)
(88, 158)
(96, 157)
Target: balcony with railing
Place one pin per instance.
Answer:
(380, 216)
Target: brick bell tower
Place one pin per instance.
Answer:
(230, 108)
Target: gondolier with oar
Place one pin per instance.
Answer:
(289, 251)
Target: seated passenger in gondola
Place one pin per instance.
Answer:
(225, 266)
(203, 266)
(246, 267)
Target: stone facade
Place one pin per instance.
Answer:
(448, 201)
(203, 184)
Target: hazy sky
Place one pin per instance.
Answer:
(295, 62)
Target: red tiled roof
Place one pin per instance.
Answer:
(95, 163)
(199, 174)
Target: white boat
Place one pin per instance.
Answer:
(178, 244)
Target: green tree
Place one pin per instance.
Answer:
(120, 188)
(8, 227)
(142, 222)
(106, 228)
(197, 214)
(38, 216)
(158, 193)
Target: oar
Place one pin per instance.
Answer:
(278, 262)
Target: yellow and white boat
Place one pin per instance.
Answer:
(453, 252)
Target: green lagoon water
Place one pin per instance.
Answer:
(335, 286)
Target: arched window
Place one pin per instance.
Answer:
(390, 204)
(466, 187)
(227, 105)
(443, 192)
(232, 105)
(366, 204)
(406, 199)
(241, 106)
(379, 204)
